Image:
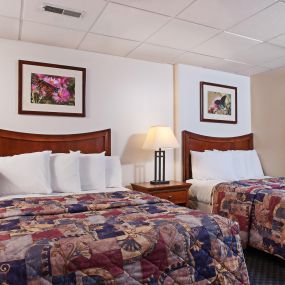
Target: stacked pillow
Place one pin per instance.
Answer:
(25, 174)
(44, 173)
(226, 165)
(65, 176)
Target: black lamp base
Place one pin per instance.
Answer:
(159, 168)
(157, 182)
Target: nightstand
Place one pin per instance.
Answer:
(176, 192)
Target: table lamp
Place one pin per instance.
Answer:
(158, 138)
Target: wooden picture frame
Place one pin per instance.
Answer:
(51, 89)
(218, 103)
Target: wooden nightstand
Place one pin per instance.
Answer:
(176, 192)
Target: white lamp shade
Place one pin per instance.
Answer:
(160, 137)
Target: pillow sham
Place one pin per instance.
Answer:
(25, 174)
(245, 163)
(212, 165)
(64, 169)
(113, 171)
(92, 171)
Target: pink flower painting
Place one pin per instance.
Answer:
(52, 89)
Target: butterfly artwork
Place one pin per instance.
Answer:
(51, 89)
(218, 103)
(221, 104)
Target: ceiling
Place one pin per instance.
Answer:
(240, 36)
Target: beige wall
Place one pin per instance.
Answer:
(268, 119)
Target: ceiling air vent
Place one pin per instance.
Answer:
(62, 11)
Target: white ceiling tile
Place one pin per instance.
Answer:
(92, 8)
(155, 53)
(264, 25)
(129, 23)
(233, 67)
(106, 44)
(280, 41)
(279, 62)
(225, 45)
(182, 35)
(166, 7)
(222, 14)
(9, 28)
(199, 60)
(259, 54)
(254, 70)
(10, 8)
(50, 35)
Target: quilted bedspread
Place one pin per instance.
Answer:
(259, 207)
(116, 238)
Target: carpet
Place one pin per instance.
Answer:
(264, 268)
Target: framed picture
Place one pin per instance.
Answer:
(218, 103)
(51, 89)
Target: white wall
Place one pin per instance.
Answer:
(123, 94)
(187, 104)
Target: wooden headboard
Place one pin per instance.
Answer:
(191, 141)
(12, 143)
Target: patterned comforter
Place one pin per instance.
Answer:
(116, 238)
(259, 208)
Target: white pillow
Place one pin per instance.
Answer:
(65, 172)
(247, 164)
(25, 174)
(238, 162)
(92, 171)
(212, 165)
(113, 171)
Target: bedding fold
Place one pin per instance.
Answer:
(258, 205)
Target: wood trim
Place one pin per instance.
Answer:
(173, 185)
(176, 192)
(20, 89)
(202, 119)
(12, 143)
(196, 142)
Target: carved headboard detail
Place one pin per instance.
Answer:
(12, 143)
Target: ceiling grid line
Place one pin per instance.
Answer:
(159, 30)
(170, 19)
(107, 3)
(21, 20)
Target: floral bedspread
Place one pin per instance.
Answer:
(259, 207)
(116, 238)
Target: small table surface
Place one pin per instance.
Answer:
(171, 185)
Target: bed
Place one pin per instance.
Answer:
(258, 205)
(109, 237)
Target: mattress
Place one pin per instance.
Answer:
(196, 205)
(201, 190)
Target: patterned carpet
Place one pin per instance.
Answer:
(264, 269)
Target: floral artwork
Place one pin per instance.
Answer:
(51, 89)
(218, 103)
